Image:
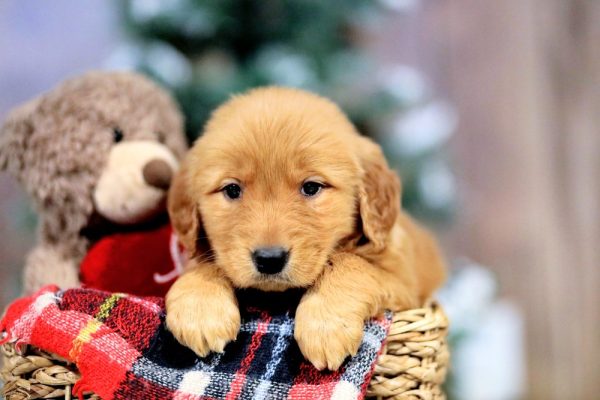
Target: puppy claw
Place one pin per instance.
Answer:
(318, 365)
(218, 344)
(335, 365)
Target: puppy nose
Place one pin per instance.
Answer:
(270, 260)
(157, 173)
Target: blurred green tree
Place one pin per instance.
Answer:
(205, 50)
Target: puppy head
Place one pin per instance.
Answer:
(278, 180)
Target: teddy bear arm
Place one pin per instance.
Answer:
(44, 265)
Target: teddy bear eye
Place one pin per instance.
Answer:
(117, 135)
(161, 137)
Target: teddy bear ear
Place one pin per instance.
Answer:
(14, 137)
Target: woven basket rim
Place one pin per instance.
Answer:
(411, 366)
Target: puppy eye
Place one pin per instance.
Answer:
(232, 191)
(161, 137)
(311, 188)
(117, 135)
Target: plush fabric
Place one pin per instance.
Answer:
(143, 263)
(123, 350)
(59, 147)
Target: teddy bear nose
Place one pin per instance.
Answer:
(270, 260)
(158, 174)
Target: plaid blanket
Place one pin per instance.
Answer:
(123, 351)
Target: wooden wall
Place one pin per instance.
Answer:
(525, 78)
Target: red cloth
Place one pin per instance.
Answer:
(144, 263)
(124, 352)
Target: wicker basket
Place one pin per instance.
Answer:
(412, 365)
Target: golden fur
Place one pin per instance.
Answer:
(351, 247)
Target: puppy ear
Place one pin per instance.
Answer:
(378, 195)
(14, 138)
(183, 211)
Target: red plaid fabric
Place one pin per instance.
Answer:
(123, 351)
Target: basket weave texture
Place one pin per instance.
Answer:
(412, 365)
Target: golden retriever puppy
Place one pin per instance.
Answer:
(282, 192)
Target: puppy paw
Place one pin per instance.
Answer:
(203, 323)
(325, 335)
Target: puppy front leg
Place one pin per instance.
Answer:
(331, 314)
(202, 311)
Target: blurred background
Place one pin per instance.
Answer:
(489, 111)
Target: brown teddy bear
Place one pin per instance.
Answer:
(96, 154)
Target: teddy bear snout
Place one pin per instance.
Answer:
(132, 185)
(157, 173)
